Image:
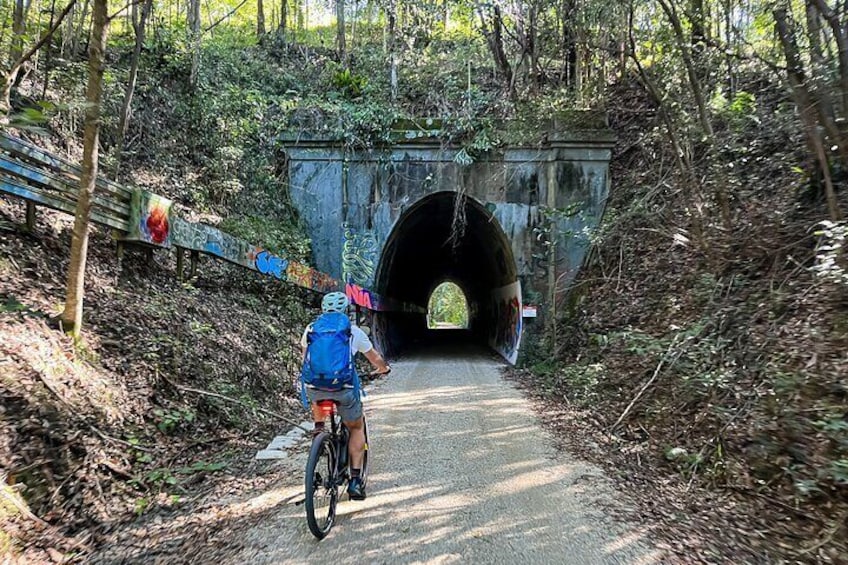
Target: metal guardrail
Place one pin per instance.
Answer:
(44, 179)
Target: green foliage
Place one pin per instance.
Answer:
(168, 421)
(201, 467)
(448, 306)
(350, 85)
(740, 112)
(281, 238)
(578, 382)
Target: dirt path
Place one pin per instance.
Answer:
(482, 487)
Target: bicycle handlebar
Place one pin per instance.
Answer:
(374, 374)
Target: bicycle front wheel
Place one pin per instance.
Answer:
(322, 488)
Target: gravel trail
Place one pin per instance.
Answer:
(462, 472)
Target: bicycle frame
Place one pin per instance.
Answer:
(335, 442)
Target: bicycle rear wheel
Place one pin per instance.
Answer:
(322, 489)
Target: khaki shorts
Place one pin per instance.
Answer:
(349, 403)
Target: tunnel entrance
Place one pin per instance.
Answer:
(425, 249)
(447, 308)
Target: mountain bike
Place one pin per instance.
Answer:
(327, 470)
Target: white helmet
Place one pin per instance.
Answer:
(335, 302)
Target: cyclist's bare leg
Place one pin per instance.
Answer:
(356, 443)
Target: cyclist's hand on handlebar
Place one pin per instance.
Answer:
(375, 374)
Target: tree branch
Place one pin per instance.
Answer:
(44, 39)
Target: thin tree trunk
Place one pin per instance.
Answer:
(284, 16)
(78, 34)
(797, 80)
(47, 59)
(139, 21)
(840, 34)
(689, 63)
(340, 32)
(19, 14)
(691, 181)
(260, 18)
(72, 316)
(392, 40)
(494, 39)
(194, 39)
(728, 40)
(701, 103)
(819, 92)
(9, 79)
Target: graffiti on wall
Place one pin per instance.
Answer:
(505, 335)
(372, 301)
(269, 264)
(307, 277)
(359, 256)
(363, 297)
(150, 219)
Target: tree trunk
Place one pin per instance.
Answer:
(729, 41)
(8, 80)
(840, 34)
(194, 39)
(392, 45)
(260, 18)
(78, 34)
(19, 14)
(532, 44)
(692, 184)
(72, 315)
(284, 16)
(689, 63)
(569, 44)
(819, 92)
(494, 39)
(340, 32)
(139, 20)
(797, 81)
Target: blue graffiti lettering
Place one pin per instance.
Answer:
(269, 264)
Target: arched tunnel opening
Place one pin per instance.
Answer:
(425, 250)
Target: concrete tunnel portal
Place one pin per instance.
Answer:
(420, 254)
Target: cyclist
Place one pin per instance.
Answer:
(348, 398)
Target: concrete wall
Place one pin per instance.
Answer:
(352, 200)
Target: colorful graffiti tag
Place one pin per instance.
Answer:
(505, 335)
(269, 264)
(307, 277)
(157, 225)
(359, 256)
(150, 219)
(363, 297)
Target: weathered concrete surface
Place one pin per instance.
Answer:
(462, 473)
(539, 206)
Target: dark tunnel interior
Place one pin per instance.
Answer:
(420, 255)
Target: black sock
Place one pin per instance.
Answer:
(354, 473)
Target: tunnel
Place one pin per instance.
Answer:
(421, 253)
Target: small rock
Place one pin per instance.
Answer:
(676, 453)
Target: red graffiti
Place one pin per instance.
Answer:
(157, 225)
(359, 296)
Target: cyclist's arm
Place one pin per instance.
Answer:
(377, 361)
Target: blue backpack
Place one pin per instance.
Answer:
(329, 362)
